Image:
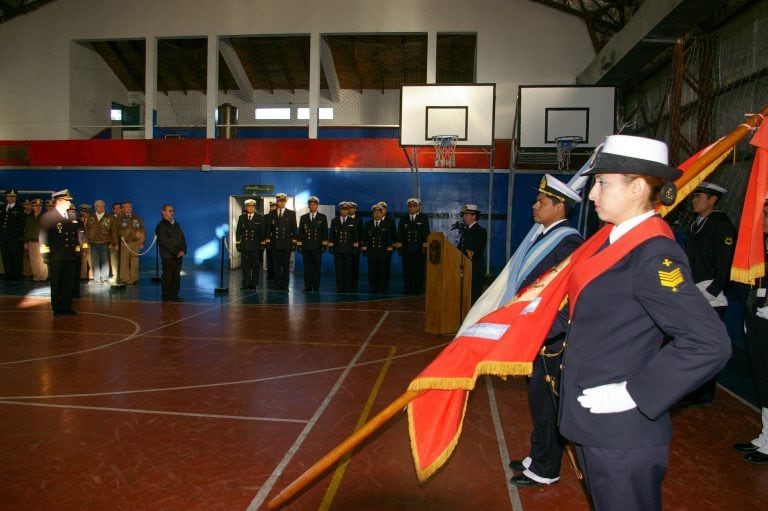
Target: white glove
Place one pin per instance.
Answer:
(609, 398)
(762, 312)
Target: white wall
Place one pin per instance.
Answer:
(519, 43)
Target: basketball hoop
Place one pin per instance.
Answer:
(564, 147)
(445, 150)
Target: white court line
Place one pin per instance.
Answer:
(261, 496)
(514, 496)
(227, 383)
(154, 412)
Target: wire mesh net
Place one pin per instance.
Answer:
(445, 150)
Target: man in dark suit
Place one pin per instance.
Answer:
(172, 247)
(60, 245)
(378, 241)
(249, 241)
(360, 233)
(282, 238)
(554, 241)
(390, 223)
(412, 247)
(312, 241)
(472, 245)
(12, 220)
(343, 244)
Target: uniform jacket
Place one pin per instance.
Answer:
(413, 233)
(710, 249)
(281, 230)
(59, 236)
(100, 231)
(131, 229)
(343, 238)
(170, 239)
(313, 235)
(250, 234)
(474, 239)
(377, 241)
(557, 254)
(32, 227)
(12, 222)
(642, 321)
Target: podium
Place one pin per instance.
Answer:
(446, 302)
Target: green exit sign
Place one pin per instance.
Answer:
(259, 189)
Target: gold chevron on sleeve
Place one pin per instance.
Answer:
(671, 279)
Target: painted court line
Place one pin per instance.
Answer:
(261, 496)
(514, 496)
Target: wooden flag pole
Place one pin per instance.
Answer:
(726, 143)
(342, 449)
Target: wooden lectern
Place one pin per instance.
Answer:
(447, 303)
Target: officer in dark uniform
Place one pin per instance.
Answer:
(639, 333)
(249, 241)
(360, 233)
(756, 342)
(390, 223)
(412, 246)
(12, 220)
(60, 244)
(267, 249)
(282, 239)
(554, 241)
(377, 245)
(472, 244)
(710, 248)
(312, 241)
(343, 243)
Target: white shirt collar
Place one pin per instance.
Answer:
(624, 227)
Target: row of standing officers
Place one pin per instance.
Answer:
(347, 237)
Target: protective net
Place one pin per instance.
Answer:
(703, 88)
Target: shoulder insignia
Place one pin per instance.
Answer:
(729, 240)
(670, 279)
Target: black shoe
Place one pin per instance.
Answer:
(745, 447)
(698, 401)
(177, 299)
(517, 465)
(757, 458)
(70, 312)
(524, 481)
(307, 289)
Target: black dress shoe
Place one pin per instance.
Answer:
(177, 299)
(524, 481)
(70, 312)
(745, 447)
(517, 465)
(757, 458)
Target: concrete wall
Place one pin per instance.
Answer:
(519, 42)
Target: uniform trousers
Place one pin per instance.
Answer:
(86, 269)
(13, 255)
(36, 264)
(100, 261)
(114, 263)
(546, 443)
(170, 280)
(251, 262)
(756, 343)
(377, 267)
(129, 262)
(282, 261)
(343, 265)
(312, 259)
(414, 272)
(64, 278)
(625, 480)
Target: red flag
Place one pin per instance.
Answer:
(749, 258)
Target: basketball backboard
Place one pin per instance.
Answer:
(548, 112)
(466, 111)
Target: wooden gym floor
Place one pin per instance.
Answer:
(219, 402)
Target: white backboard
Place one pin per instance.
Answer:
(548, 112)
(464, 110)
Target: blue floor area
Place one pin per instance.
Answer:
(208, 287)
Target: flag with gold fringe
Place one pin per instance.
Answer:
(503, 342)
(749, 258)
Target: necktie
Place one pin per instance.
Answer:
(413, 217)
(343, 221)
(312, 218)
(376, 223)
(279, 213)
(250, 217)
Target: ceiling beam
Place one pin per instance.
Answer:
(244, 86)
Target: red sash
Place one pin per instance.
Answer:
(591, 266)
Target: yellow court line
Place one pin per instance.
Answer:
(338, 474)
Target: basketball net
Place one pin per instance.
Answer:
(445, 150)
(564, 147)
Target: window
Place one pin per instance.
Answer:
(271, 114)
(116, 114)
(325, 113)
